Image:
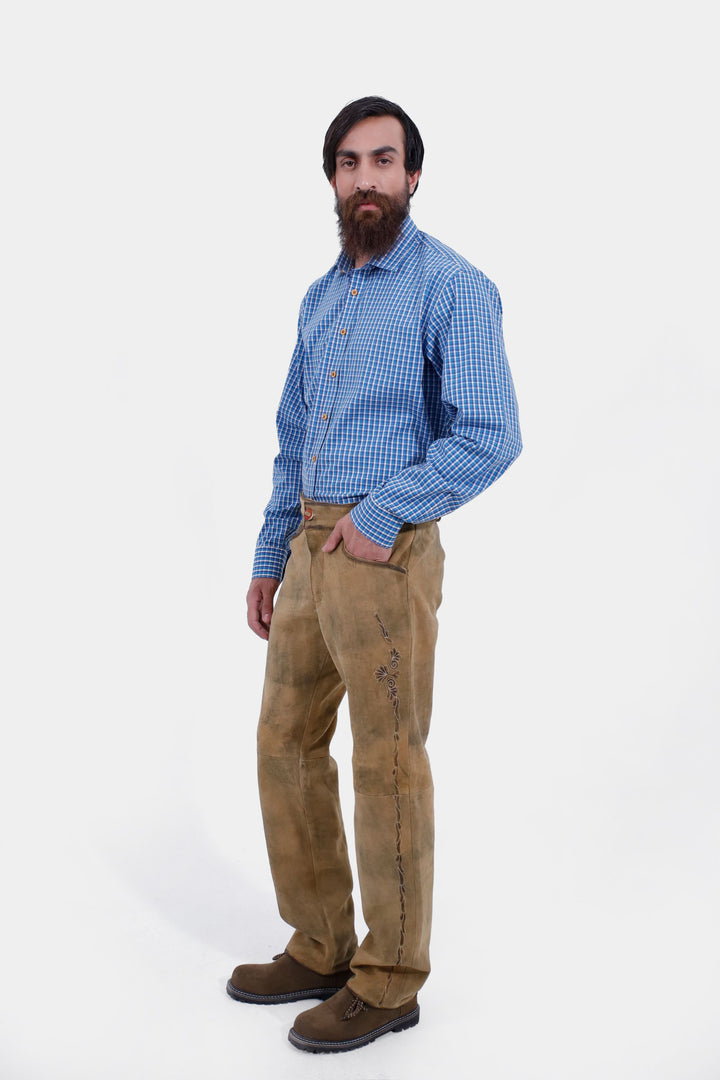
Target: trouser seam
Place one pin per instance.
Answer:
(292, 757)
(390, 794)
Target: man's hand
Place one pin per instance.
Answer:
(356, 543)
(260, 604)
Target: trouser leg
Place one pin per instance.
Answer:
(298, 778)
(379, 623)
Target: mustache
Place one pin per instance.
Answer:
(357, 198)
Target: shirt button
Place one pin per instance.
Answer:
(314, 457)
(324, 416)
(333, 374)
(353, 292)
(343, 331)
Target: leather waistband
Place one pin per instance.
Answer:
(328, 514)
(322, 513)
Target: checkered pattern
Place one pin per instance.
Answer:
(399, 397)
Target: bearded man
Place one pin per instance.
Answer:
(398, 408)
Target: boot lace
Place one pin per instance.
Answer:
(355, 1007)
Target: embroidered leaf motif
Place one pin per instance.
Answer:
(387, 676)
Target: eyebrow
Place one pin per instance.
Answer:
(373, 153)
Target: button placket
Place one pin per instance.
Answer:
(346, 318)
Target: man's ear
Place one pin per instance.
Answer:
(333, 185)
(413, 178)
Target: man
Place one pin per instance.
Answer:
(398, 408)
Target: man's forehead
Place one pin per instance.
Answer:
(372, 133)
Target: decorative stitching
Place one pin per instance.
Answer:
(292, 995)
(388, 676)
(401, 1024)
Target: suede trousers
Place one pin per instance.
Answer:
(346, 625)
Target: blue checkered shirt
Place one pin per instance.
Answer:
(399, 397)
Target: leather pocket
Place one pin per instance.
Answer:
(372, 562)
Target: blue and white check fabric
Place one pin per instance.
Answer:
(399, 397)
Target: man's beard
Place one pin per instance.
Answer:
(370, 232)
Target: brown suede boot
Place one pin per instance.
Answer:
(283, 980)
(345, 1022)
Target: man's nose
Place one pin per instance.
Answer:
(363, 181)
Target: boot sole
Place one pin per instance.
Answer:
(322, 993)
(319, 1046)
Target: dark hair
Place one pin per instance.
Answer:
(360, 110)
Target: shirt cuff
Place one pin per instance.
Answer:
(378, 525)
(269, 562)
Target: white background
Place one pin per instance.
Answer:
(163, 211)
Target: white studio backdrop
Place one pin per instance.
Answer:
(163, 211)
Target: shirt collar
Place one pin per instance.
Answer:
(395, 257)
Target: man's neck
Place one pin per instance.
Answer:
(361, 258)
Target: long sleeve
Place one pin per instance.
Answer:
(464, 343)
(282, 513)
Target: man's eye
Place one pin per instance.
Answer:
(347, 164)
(384, 161)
